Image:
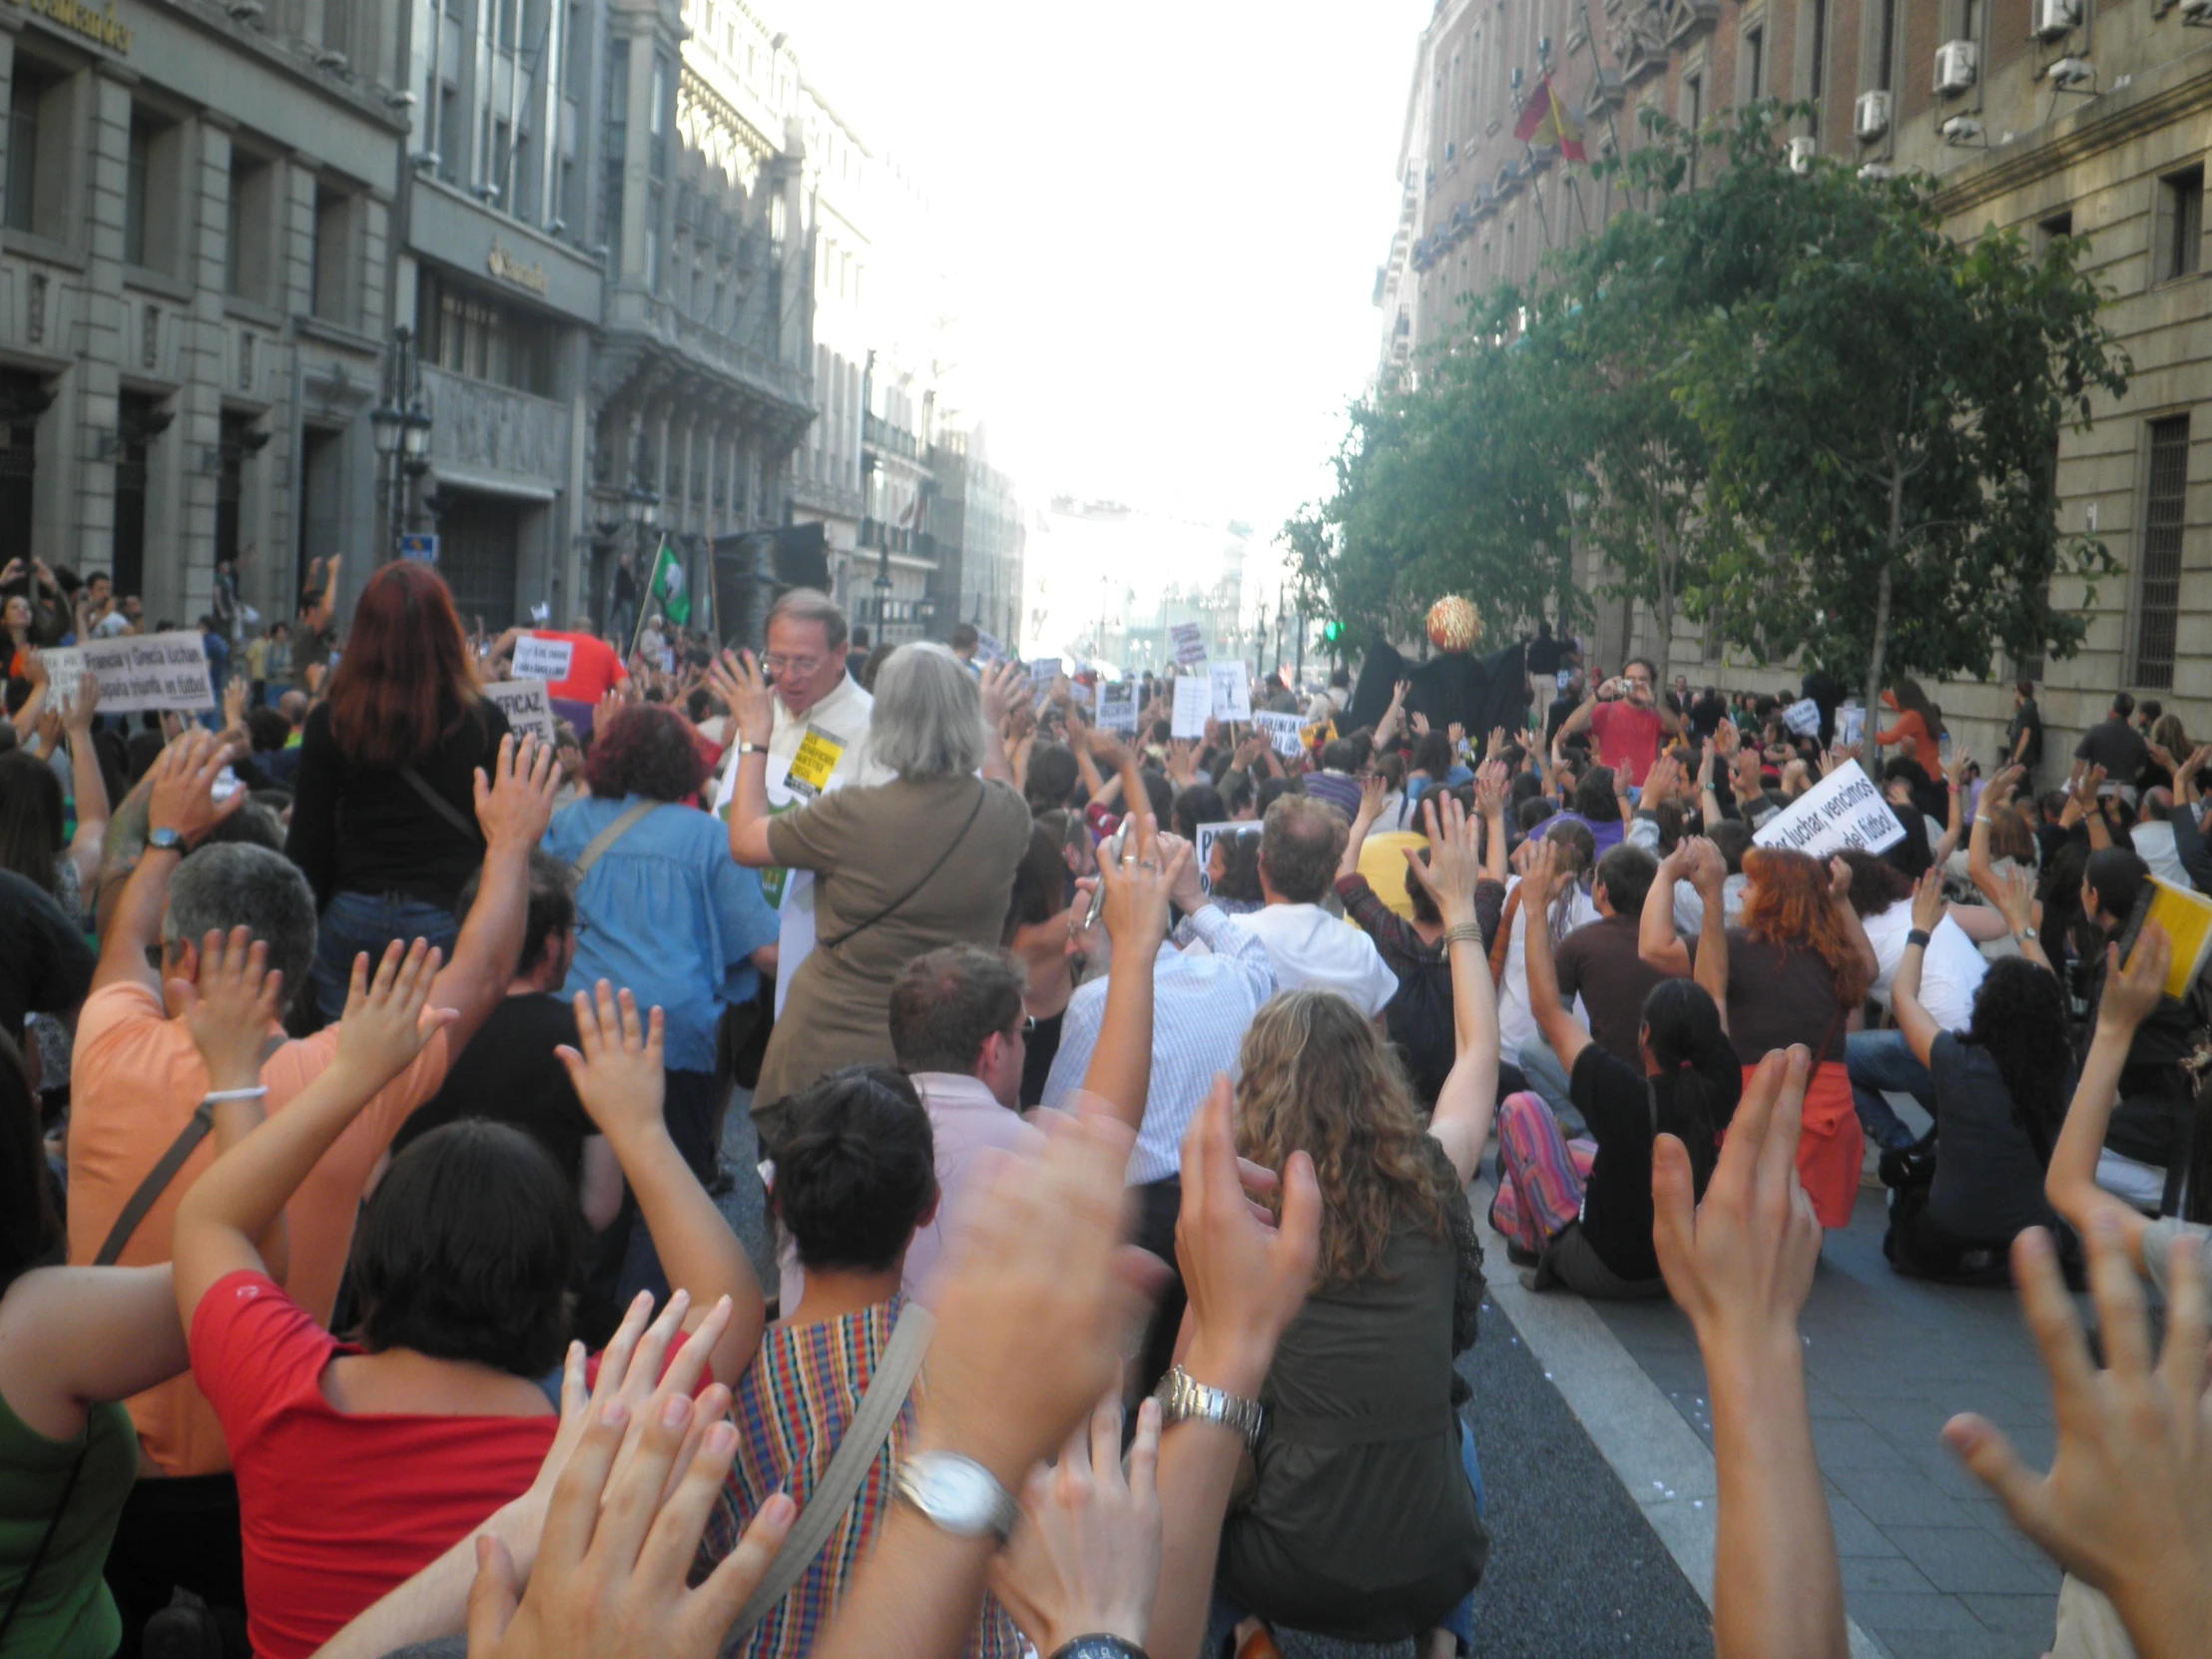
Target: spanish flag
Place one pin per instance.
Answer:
(1544, 120)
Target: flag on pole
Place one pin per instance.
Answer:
(667, 586)
(1544, 120)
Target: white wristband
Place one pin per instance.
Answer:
(218, 1096)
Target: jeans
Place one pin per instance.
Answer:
(1546, 1078)
(357, 921)
(1879, 1060)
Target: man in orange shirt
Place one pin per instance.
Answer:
(138, 1079)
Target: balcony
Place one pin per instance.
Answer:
(880, 434)
(880, 537)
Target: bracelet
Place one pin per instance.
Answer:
(217, 1096)
(1465, 932)
(1918, 936)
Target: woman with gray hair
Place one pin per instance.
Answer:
(901, 868)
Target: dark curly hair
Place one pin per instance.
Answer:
(2019, 1016)
(645, 749)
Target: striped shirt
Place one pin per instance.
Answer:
(791, 1408)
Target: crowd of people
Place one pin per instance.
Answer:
(1123, 1104)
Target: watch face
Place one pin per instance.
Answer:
(956, 1494)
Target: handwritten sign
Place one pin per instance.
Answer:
(1803, 718)
(149, 670)
(1194, 705)
(1116, 707)
(542, 659)
(1231, 692)
(1285, 733)
(1202, 851)
(1842, 810)
(1190, 644)
(526, 707)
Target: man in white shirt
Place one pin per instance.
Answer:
(1879, 1062)
(2153, 835)
(960, 1034)
(1299, 844)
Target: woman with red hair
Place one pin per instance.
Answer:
(383, 818)
(1794, 968)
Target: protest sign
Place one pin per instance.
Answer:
(1284, 732)
(526, 707)
(542, 659)
(1843, 810)
(1803, 718)
(1850, 725)
(136, 672)
(1190, 644)
(1117, 706)
(988, 647)
(1231, 692)
(1202, 850)
(1044, 671)
(1194, 704)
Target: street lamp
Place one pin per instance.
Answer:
(883, 602)
(401, 427)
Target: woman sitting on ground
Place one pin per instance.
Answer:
(359, 1465)
(1363, 1518)
(2000, 1094)
(1592, 1232)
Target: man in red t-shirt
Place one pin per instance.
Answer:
(1627, 727)
(577, 665)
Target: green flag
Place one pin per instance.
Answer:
(667, 586)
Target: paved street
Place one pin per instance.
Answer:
(1591, 1422)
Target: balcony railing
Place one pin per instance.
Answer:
(897, 538)
(896, 440)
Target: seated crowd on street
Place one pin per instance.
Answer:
(1132, 1110)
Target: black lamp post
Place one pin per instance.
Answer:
(400, 427)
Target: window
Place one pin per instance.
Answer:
(617, 129)
(1969, 20)
(136, 183)
(337, 26)
(1693, 115)
(331, 285)
(2158, 585)
(2180, 230)
(470, 332)
(2049, 229)
(1886, 42)
(1755, 62)
(246, 264)
(34, 101)
(1817, 69)
(656, 122)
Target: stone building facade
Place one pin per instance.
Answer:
(2087, 116)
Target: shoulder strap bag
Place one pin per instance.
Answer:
(981, 790)
(440, 805)
(870, 1428)
(628, 819)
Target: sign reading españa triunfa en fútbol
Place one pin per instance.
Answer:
(103, 28)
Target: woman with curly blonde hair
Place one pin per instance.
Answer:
(1794, 968)
(1363, 1519)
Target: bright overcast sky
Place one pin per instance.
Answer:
(1162, 219)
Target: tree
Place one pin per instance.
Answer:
(1883, 405)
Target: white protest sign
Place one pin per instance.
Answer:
(542, 659)
(1194, 704)
(1285, 732)
(1843, 810)
(988, 647)
(147, 671)
(1851, 723)
(1803, 718)
(1202, 850)
(1231, 692)
(1044, 671)
(1190, 644)
(526, 707)
(1117, 707)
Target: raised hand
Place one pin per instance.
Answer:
(1455, 862)
(618, 1076)
(230, 1006)
(1140, 885)
(515, 805)
(1489, 789)
(747, 694)
(1420, 723)
(388, 1019)
(2016, 897)
(1002, 686)
(1372, 791)
(1927, 899)
(1540, 877)
(2133, 990)
(82, 707)
(183, 796)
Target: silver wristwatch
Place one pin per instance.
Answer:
(1182, 1397)
(958, 1495)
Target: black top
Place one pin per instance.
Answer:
(2116, 746)
(1042, 1048)
(1779, 997)
(1617, 1102)
(510, 1074)
(44, 965)
(1989, 1181)
(360, 828)
(1546, 656)
(2029, 719)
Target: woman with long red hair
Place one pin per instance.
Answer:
(384, 819)
(1794, 968)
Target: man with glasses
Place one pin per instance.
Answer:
(1627, 723)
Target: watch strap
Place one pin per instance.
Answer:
(1184, 1398)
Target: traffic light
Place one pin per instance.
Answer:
(1332, 632)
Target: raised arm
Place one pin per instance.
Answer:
(1917, 1025)
(2016, 905)
(1839, 898)
(1461, 1120)
(179, 800)
(1000, 686)
(1371, 809)
(2131, 992)
(1135, 914)
(513, 809)
(1741, 1264)
(87, 788)
(1490, 805)
(618, 1078)
(1981, 869)
(1566, 1034)
(1955, 778)
(1656, 941)
(750, 699)
(388, 1022)
(1708, 870)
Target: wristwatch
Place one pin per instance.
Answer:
(165, 839)
(746, 746)
(1100, 1645)
(1184, 1398)
(958, 1495)
(2025, 934)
